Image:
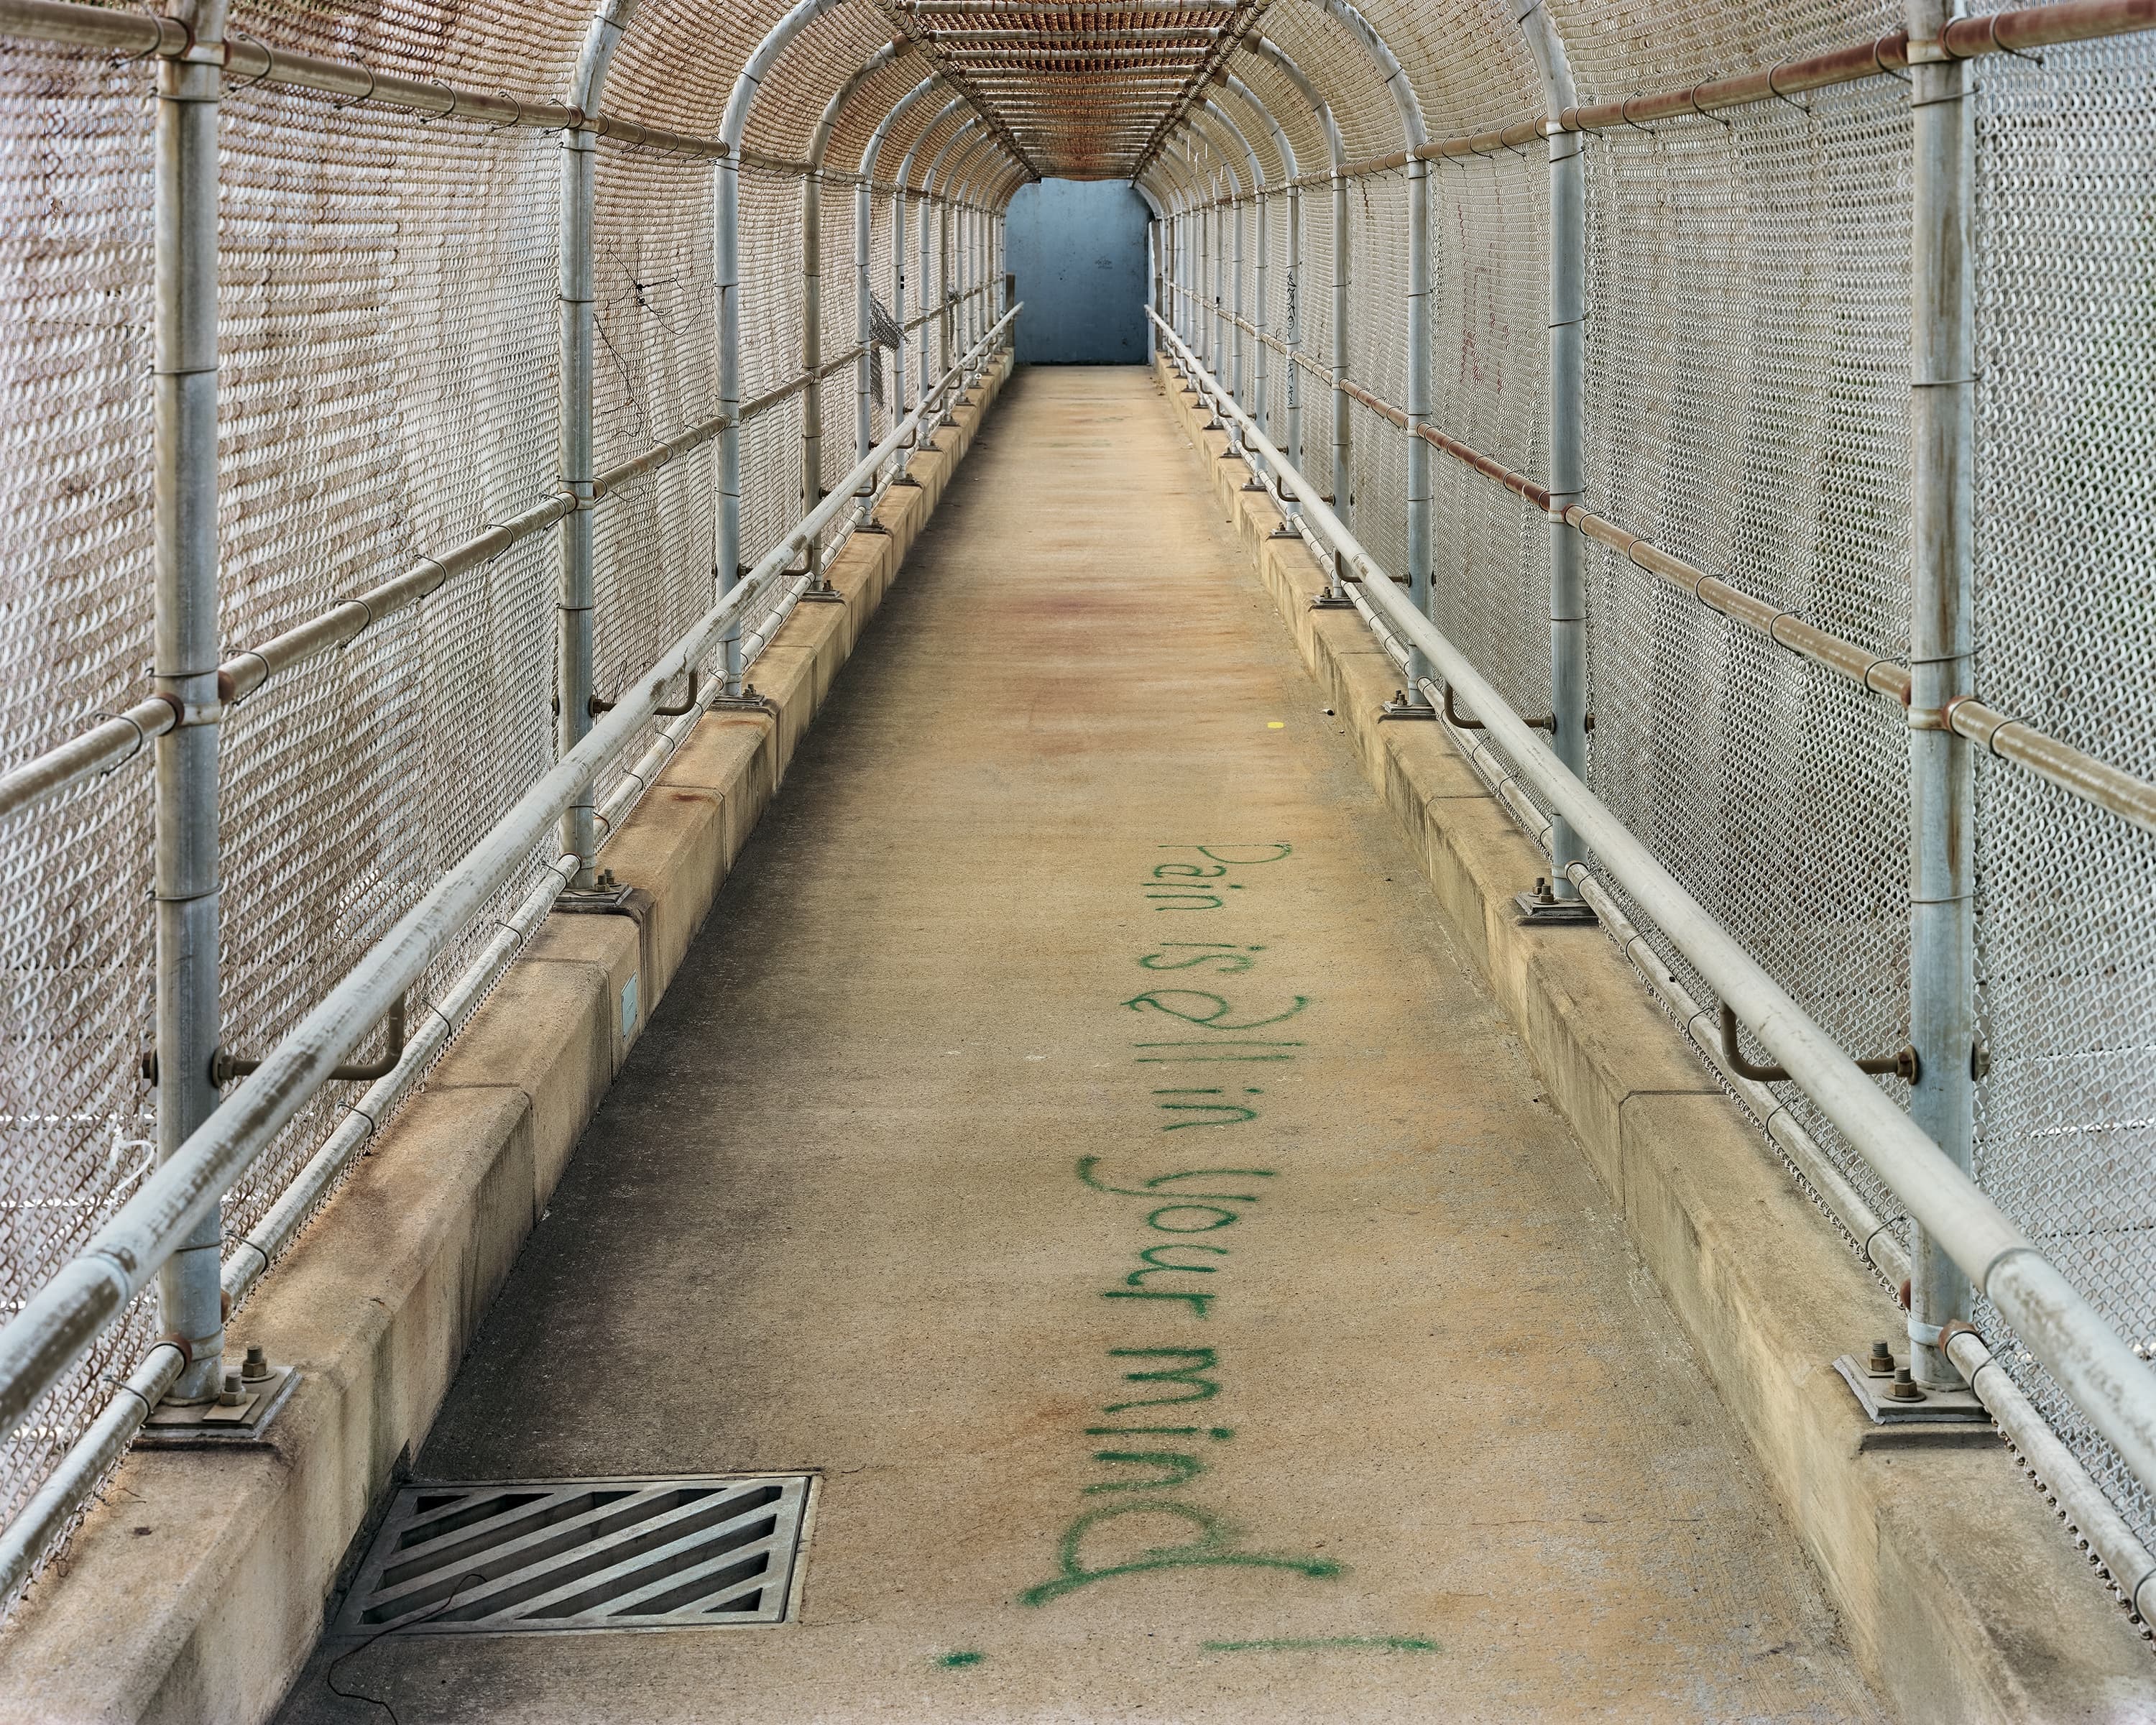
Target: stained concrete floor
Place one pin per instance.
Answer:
(1076, 1018)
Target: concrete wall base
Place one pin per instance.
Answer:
(194, 1590)
(1958, 1586)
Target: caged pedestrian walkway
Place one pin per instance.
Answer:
(1059, 1193)
(719, 1008)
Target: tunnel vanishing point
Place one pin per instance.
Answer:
(735, 992)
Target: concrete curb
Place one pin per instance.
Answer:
(194, 1590)
(1958, 1588)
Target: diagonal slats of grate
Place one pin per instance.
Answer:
(582, 1554)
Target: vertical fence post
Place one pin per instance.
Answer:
(1293, 338)
(902, 403)
(927, 292)
(184, 508)
(865, 338)
(1568, 410)
(1343, 490)
(1418, 406)
(1942, 780)
(812, 361)
(573, 686)
(726, 561)
(1238, 347)
(1261, 276)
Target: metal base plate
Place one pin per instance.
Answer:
(823, 594)
(1944, 1416)
(174, 1425)
(596, 903)
(1554, 913)
(1328, 600)
(907, 480)
(703, 1552)
(1400, 709)
(1254, 483)
(747, 701)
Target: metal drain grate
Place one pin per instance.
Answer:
(581, 1554)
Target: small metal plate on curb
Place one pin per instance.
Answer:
(1944, 1417)
(186, 1426)
(511, 1556)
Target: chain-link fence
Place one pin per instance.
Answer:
(389, 288)
(1747, 391)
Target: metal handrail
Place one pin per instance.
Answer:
(59, 1321)
(2087, 1357)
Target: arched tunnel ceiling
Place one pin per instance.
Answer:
(1076, 88)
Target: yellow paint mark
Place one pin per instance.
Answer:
(1276, 724)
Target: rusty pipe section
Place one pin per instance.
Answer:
(142, 35)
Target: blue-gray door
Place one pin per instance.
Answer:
(1078, 249)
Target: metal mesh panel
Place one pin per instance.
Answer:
(1489, 332)
(373, 274)
(1748, 366)
(1377, 360)
(2066, 640)
(75, 1127)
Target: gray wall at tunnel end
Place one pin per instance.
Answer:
(1077, 248)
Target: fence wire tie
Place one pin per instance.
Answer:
(157, 42)
(1879, 64)
(1625, 114)
(1692, 96)
(339, 107)
(516, 102)
(1959, 95)
(1890, 1222)
(1803, 108)
(141, 737)
(1991, 36)
(269, 67)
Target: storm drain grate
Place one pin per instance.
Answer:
(581, 1554)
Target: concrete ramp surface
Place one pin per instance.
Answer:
(1074, 1141)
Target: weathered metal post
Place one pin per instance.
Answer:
(733, 125)
(573, 687)
(1942, 782)
(864, 308)
(920, 274)
(1568, 331)
(812, 360)
(184, 513)
(1343, 466)
(1265, 50)
(1413, 703)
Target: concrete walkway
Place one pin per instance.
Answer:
(1075, 1138)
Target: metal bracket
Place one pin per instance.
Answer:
(225, 1067)
(1931, 1418)
(747, 701)
(1902, 1064)
(1254, 483)
(1327, 600)
(1543, 909)
(249, 1400)
(1460, 721)
(1400, 707)
(820, 591)
(907, 480)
